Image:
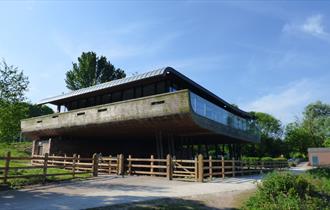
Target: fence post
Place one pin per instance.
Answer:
(109, 164)
(241, 167)
(118, 164)
(5, 175)
(95, 164)
(129, 165)
(152, 165)
(121, 165)
(64, 161)
(200, 168)
(45, 168)
(169, 167)
(234, 166)
(74, 160)
(223, 166)
(261, 166)
(210, 167)
(196, 168)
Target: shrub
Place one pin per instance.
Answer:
(266, 158)
(283, 190)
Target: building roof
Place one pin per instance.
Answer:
(148, 75)
(320, 149)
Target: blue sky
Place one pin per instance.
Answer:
(271, 57)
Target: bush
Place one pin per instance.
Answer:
(283, 190)
(280, 158)
(266, 158)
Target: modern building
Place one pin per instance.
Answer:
(159, 112)
(319, 156)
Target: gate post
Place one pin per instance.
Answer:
(169, 170)
(5, 174)
(196, 168)
(223, 166)
(234, 166)
(200, 168)
(95, 164)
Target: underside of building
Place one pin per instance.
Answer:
(157, 113)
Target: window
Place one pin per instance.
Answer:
(138, 92)
(161, 87)
(149, 90)
(116, 96)
(128, 94)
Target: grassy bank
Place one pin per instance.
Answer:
(284, 190)
(23, 149)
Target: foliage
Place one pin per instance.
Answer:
(313, 131)
(91, 70)
(13, 83)
(38, 110)
(271, 131)
(10, 116)
(283, 190)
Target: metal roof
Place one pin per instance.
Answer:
(105, 85)
(147, 75)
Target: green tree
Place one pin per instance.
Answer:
(13, 85)
(271, 132)
(91, 70)
(37, 110)
(312, 131)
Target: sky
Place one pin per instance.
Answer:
(269, 56)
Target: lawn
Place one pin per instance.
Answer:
(23, 149)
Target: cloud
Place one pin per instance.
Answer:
(287, 103)
(312, 25)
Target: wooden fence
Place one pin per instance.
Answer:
(198, 169)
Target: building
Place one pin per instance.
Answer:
(319, 156)
(159, 112)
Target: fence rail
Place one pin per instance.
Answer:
(198, 169)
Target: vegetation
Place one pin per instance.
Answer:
(91, 70)
(284, 190)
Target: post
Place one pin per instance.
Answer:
(121, 165)
(261, 166)
(223, 166)
(118, 165)
(152, 165)
(196, 168)
(200, 168)
(45, 168)
(129, 164)
(241, 165)
(234, 166)
(64, 161)
(95, 164)
(74, 160)
(5, 175)
(169, 167)
(109, 164)
(210, 167)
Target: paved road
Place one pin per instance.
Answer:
(108, 190)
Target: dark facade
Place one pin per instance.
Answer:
(158, 112)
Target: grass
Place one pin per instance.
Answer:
(23, 149)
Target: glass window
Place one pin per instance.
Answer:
(149, 90)
(161, 87)
(116, 96)
(219, 114)
(128, 94)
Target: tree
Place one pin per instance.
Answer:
(312, 131)
(91, 70)
(13, 83)
(271, 131)
(35, 110)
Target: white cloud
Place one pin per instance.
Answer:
(287, 103)
(312, 25)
